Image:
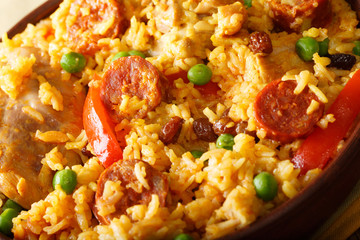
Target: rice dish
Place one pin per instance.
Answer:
(167, 167)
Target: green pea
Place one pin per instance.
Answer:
(225, 141)
(324, 47)
(356, 49)
(266, 186)
(136, 53)
(199, 74)
(6, 220)
(196, 153)
(183, 236)
(73, 62)
(248, 3)
(67, 179)
(306, 47)
(119, 55)
(11, 204)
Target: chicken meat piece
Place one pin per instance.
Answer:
(21, 153)
(167, 15)
(231, 18)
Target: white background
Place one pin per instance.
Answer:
(11, 11)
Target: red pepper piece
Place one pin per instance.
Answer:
(99, 129)
(320, 146)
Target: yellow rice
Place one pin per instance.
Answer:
(220, 181)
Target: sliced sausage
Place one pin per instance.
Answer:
(124, 171)
(89, 21)
(131, 76)
(301, 15)
(260, 42)
(204, 130)
(170, 131)
(283, 114)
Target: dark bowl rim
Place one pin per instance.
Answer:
(346, 161)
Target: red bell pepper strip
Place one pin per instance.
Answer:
(181, 74)
(320, 146)
(210, 88)
(99, 129)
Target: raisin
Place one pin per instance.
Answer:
(260, 42)
(342, 61)
(241, 128)
(86, 152)
(204, 130)
(226, 113)
(220, 126)
(170, 131)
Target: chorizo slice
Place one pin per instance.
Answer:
(301, 14)
(283, 114)
(88, 21)
(124, 171)
(126, 78)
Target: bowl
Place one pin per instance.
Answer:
(299, 217)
